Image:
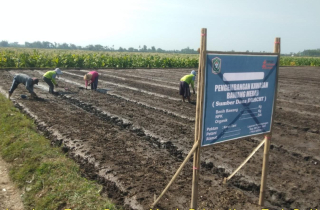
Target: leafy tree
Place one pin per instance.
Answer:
(4, 44)
(63, 46)
(98, 47)
(90, 47)
(144, 49)
(73, 46)
(14, 44)
(160, 50)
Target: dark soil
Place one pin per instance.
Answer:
(133, 139)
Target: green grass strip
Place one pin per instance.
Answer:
(47, 177)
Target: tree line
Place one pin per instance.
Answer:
(311, 53)
(98, 47)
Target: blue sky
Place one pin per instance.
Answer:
(238, 25)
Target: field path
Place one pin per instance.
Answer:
(9, 195)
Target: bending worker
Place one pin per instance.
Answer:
(49, 78)
(27, 81)
(184, 88)
(93, 77)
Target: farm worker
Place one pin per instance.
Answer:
(49, 78)
(184, 88)
(27, 81)
(92, 76)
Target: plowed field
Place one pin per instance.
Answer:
(133, 138)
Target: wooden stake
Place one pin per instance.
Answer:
(198, 122)
(244, 162)
(195, 146)
(268, 136)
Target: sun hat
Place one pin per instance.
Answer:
(58, 71)
(87, 76)
(194, 72)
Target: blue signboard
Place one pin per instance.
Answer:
(239, 95)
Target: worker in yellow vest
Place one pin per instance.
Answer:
(49, 78)
(184, 88)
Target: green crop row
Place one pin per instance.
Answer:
(25, 58)
(299, 61)
(85, 59)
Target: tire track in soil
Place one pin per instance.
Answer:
(129, 152)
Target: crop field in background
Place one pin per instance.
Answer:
(90, 59)
(134, 137)
(46, 58)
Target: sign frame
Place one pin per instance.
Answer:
(215, 54)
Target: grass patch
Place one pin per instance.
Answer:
(48, 178)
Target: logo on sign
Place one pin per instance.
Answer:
(268, 64)
(216, 65)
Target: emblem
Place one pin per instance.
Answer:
(216, 65)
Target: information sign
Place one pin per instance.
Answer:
(239, 95)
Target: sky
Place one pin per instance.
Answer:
(237, 25)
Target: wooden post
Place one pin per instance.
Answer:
(268, 136)
(195, 146)
(198, 122)
(244, 162)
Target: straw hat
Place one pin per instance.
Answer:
(87, 76)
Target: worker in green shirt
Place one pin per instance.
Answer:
(49, 78)
(184, 88)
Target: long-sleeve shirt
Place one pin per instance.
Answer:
(51, 75)
(189, 79)
(26, 80)
(94, 76)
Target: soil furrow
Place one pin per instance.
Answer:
(138, 76)
(165, 138)
(298, 160)
(140, 88)
(131, 79)
(171, 106)
(136, 85)
(138, 168)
